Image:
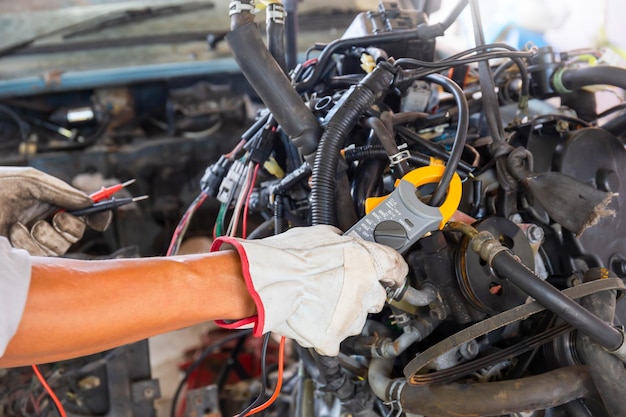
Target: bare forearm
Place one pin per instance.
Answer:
(76, 308)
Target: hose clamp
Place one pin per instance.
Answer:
(557, 82)
(236, 7)
(399, 157)
(393, 395)
(275, 13)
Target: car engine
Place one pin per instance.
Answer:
(490, 170)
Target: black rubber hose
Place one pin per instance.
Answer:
(291, 26)
(343, 117)
(554, 300)
(388, 141)
(607, 371)
(538, 392)
(276, 35)
(604, 75)
(459, 142)
(274, 88)
(244, 17)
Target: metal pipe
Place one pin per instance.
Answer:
(378, 376)
(538, 392)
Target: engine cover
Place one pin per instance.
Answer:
(596, 157)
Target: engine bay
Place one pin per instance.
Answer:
(490, 170)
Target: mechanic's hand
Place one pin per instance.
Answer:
(313, 285)
(28, 195)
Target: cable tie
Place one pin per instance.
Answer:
(399, 157)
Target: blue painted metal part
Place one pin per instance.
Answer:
(76, 80)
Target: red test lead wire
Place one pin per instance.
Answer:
(106, 192)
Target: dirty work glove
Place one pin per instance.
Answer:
(27, 196)
(313, 285)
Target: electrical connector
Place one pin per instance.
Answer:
(232, 183)
(262, 145)
(213, 176)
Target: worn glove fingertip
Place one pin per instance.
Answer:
(49, 238)
(20, 237)
(100, 221)
(69, 226)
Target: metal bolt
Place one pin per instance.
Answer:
(535, 234)
(515, 218)
(562, 126)
(469, 350)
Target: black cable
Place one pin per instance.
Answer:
(459, 141)
(207, 350)
(616, 108)
(446, 63)
(259, 398)
(523, 69)
(19, 121)
(491, 109)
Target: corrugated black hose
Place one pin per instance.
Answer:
(341, 120)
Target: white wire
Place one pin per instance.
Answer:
(234, 221)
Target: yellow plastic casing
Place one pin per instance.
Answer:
(428, 175)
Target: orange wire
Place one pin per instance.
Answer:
(51, 393)
(279, 381)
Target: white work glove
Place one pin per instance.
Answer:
(313, 285)
(27, 195)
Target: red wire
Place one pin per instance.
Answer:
(279, 381)
(183, 222)
(309, 62)
(247, 203)
(51, 393)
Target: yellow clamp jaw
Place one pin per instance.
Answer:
(400, 219)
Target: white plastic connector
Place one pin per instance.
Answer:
(232, 183)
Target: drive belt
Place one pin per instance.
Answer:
(521, 312)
